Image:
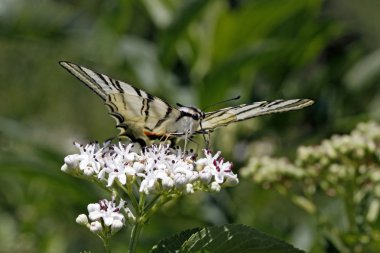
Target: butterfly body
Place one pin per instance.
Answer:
(143, 117)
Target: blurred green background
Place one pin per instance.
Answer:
(193, 52)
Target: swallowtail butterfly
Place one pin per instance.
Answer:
(143, 117)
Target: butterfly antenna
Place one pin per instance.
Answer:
(221, 102)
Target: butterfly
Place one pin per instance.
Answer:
(143, 117)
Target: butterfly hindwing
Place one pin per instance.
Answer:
(138, 114)
(149, 117)
(230, 115)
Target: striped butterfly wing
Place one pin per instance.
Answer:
(238, 113)
(138, 114)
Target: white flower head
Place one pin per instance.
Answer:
(107, 211)
(213, 169)
(125, 152)
(116, 168)
(89, 158)
(88, 161)
(156, 169)
(105, 214)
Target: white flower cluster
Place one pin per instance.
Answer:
(345, 166)
(105, 218)
(154, 170)
(353, 157)
(268, 171)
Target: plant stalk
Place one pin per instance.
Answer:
(136, 230)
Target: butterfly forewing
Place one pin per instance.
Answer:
(230, 115)
(138, 114)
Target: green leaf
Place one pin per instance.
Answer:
(174, 242)
(226, 238)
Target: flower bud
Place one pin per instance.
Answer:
(82, 220)
(116, 226)
(96, 227)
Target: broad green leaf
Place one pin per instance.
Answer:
(226, 238)
(174, 242)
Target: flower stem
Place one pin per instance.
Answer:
(106, 245)
(136, 230)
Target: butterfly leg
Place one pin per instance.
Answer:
(170, 138)
(164, 138)
(207, 141)
(184, 148)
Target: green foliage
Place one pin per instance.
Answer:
(227, 238)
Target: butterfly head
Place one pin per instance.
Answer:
(191, 111)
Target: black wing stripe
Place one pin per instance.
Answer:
(138, 92)
(142, 106)
(103, 78)
(147, 109)
(267, 108)
(161, 121)
(119, 119)
(85, 78)
(116, 84)
(93, 82)
(216, 114)
(150, 97)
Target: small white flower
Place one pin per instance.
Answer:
(189, 189)
(231, 180)
(116, 226)
(125, 152)
(96, 227)
(89, 158)
(116, 169)
(148, 184)
(107, 211)
(180, 180)
(167, 183)
(138, 167)
(209, 159)
(82, 219)
(71, 165)
(214, 168)
(66, 169)
(215, 187)
(222, 170)
(205, 175)
(72, 160)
